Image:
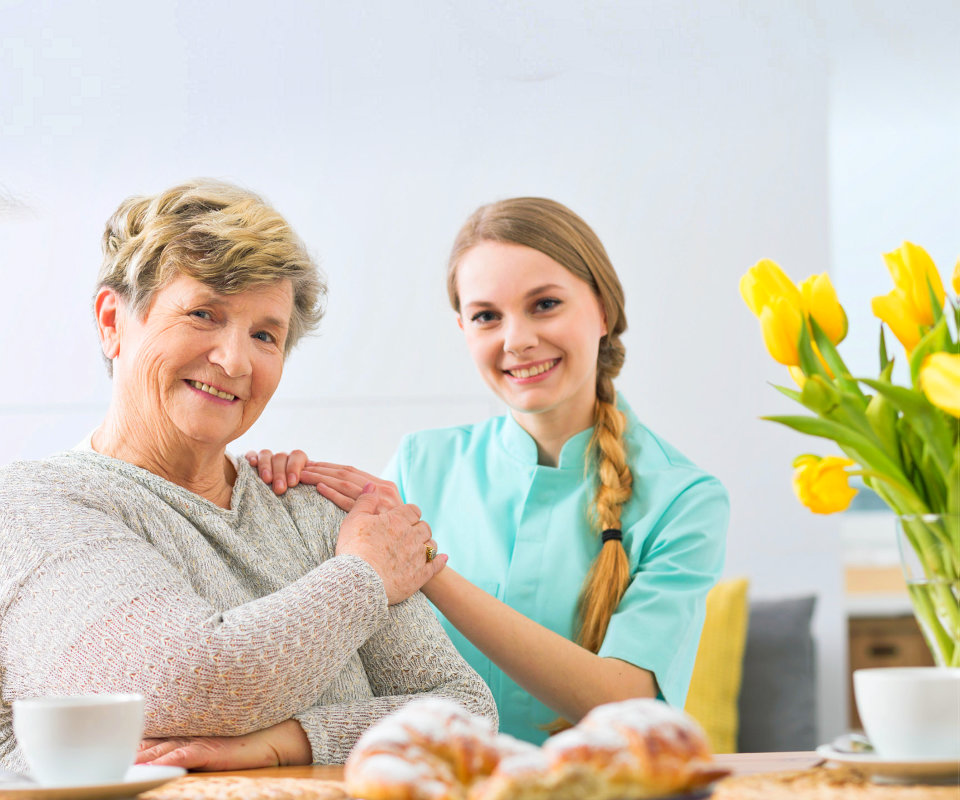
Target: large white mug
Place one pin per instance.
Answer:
(910, 712)
(80, 740)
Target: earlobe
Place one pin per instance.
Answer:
(460, 321)
(107, 310)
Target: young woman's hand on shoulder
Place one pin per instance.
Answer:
(339, 483)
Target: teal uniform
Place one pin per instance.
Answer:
(520, 531)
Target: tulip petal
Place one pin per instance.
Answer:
(820, 302)
(924, 278)
(895, 310)
(940, 381)
(956, 278)
(751, 294)
(781, 324)
(798, 377)
(822, 484)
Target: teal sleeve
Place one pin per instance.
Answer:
(658, 622)
(395, 470)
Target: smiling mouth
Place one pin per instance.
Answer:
(211, 390)
(530, 372)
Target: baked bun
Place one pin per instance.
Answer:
(431, 749)
(633, 749)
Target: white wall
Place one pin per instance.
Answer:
(894, 150)
(693, 137)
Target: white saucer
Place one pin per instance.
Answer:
(901, 770)
(138, 779)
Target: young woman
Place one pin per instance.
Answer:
(581, 545)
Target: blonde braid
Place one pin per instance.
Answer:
(609, 574)
(560, 234)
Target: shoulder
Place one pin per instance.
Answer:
(661, 470)
(59, 502)
(311, 513)
(444, 443)
(71, 475)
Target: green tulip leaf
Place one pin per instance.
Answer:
(793, 394)
(832, 357)
(809, 362)
(934, 302)
(936, 340)
(881, 415)
(884, 360)
(953, 485)
(928, 421)
(868, 454)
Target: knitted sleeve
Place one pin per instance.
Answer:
(408, 655)
(109, 613)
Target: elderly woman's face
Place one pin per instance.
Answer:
(202, 365)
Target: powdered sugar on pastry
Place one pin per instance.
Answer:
(434, 750)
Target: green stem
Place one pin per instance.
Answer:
(944, 649)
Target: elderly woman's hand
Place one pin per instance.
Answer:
(279, 745)
(395, 543)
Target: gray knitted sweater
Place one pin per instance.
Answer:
(226, 620)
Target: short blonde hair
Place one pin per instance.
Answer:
(226, 237)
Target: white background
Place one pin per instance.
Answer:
(696, 138)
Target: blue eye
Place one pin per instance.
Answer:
(483, 316)
(201, 314)
(263, 336)
(547, 304)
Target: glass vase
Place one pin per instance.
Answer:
(930, 556)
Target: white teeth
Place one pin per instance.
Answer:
(210, 390)
(527, 373)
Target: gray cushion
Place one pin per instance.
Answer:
(778, 694)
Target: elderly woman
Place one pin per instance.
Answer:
(149, 560)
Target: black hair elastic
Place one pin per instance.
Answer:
(611, 533)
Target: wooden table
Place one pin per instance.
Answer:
(755, 776)
(739, 763)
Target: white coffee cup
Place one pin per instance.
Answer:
(80, 740)
(910, 712)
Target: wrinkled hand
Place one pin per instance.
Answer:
(338, 483)
(393, 542)
(280, 745)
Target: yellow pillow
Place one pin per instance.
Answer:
(715, 684)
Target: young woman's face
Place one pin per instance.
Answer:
(533, 329)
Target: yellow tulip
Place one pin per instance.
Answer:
(822, 484)
(907, 310)
(940, 381)
(780, 323)
(895, 309)
(956, 278)
(765, 282)
(819, 300)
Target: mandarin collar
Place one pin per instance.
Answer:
(521, 446)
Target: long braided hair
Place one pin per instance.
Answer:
(557, 232)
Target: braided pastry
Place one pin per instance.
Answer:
(431, 749)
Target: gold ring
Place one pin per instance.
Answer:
(431, 553)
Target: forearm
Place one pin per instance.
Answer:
(203, 673)
(558, 672)
(332, 730)
(410, 654)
